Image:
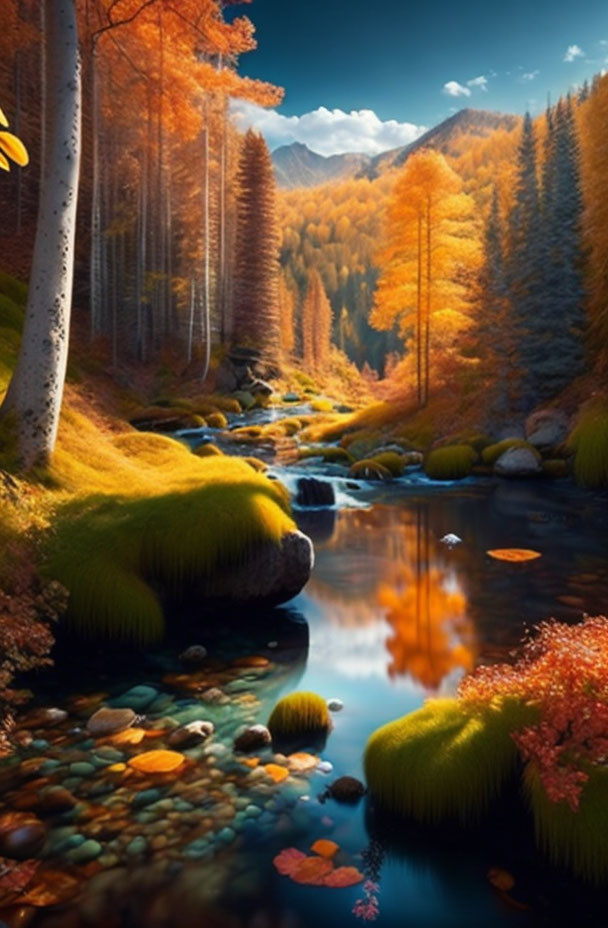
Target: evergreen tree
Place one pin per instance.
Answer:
(256, 321)
(316, 324)
(495, 326)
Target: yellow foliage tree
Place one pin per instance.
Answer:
(431, 241)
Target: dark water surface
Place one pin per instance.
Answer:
(390, 616)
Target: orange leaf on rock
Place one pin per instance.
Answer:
(301, 761)
(15, 874)
(325, 848)
(250, 761)
(288, 861)
(312, 871)
(157, 761)
(342, 877)
(513, 555)
(277, 772)
(129, 736)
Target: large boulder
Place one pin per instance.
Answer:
(313, 492)
(518, 462)
(547, 428)
(271, 574)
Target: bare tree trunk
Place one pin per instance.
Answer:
(427, 321)
(419, 315)
(95, 265)
(191, 319)
(43, 95)
(222, 233)
(207, 287)
(18, 175)
(36, 389)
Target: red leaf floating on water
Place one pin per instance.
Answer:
(288, 861)
(343, 876)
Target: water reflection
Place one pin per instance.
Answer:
(396, 573)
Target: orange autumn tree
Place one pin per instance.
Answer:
(431, 241)
(316, 324)
(286, 317)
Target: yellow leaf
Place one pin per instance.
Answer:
(325, 848)
(277, 772)
(14, 148)
(4, 163)
(129, 736)
(3, 119)
(157, 761)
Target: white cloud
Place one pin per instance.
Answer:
(454, 89)
(481, 82)
(528, 76)
(573, 52)
(328, 132)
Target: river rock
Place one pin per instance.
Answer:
(253, 739)
(270, 575)
(191, 734)
(313, 492)
(137, 698)
(346, 789)
(335, 705)
(193, 656)
(22, 835)
(547, 428)
(85, 852)
(54, 800)
(517, 462)
(110, 721)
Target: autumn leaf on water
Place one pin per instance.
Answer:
(342, 877)
(51, 888)
(276, 772)
(3, 119)
(4, 163)
(288, 860)
(325, 848)
(157, 761)
(14, 148)
(15, 875)
(513, 555)
(312, 871)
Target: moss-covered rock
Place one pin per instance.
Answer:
(394, 462)
(444, 761)
(299, 714)
(450, 463)
(207, 450)
(589, 443)
(491, 453)
(217, 420)
(331, 454)
(556, 468)
(573, 839)
(369, 469)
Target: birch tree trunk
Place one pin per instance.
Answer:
(36, 389)
(206, 281)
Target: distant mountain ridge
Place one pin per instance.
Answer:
(297, 166)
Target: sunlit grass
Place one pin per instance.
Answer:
(453, 462)
(589, 442)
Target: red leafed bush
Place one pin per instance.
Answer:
(563, 671)
(27, 604)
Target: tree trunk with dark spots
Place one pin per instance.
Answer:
(36, 389)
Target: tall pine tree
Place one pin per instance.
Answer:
(255, 315)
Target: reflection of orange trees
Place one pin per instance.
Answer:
(431, 633)
(426, 610)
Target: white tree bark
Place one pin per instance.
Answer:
(36, 389)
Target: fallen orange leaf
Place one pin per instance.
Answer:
(250, 761)
(277, 773)
(343, 876)
(117, 768)
(157, 761)
(325, 848)
(302, 761)
(129, 736)
(312, 871)
(51, 888)
(513, 555)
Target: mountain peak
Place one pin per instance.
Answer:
(296, 165)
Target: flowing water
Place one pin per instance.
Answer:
(391, 616)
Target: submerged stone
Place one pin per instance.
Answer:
(110, 721)
(137, 698)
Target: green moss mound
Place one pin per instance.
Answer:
(576, 840)
(217, 420)
(114, 554)
(491, 454)
(331, 454)
(369, 469)
(207, 450)
(589, 442)
(445, 761)
(299, 714)
(450, 463)
(395, 463)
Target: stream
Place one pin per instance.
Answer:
(391, 616)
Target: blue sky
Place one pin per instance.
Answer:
(370, 75)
